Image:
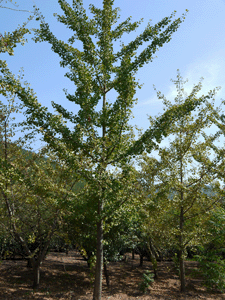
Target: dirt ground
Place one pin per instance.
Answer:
(67, 277)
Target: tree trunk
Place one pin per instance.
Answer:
(133, 251)
(99, 262)
(99, 255)
(181, 241)
(141, 260)
(181, 252)
(29, 263)
(182, 272)
(152, 254)
(36, 270)
(36, 263)
(154, 265)
(106, 275)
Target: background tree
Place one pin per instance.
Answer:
(32, 189)
(181, 184)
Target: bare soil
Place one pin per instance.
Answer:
(67, 277)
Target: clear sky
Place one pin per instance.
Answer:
(197, 49)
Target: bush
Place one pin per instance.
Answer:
(212, 269)
(176, 264)
(147, 279)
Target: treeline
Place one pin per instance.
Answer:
(94, 184)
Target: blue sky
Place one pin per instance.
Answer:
(197, 49)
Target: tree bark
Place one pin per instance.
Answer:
(99, 263)
(181, 253)
(133, 252)
(29, 263)
(152, 254)
(141, 260)
(106, 275)
(99, 255)
(182, 273)
(36, 270)
(181, 242)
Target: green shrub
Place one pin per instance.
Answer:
(176, 264)
(147, 279)
(212, 269)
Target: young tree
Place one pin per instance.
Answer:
(183, 179)
(99, 138)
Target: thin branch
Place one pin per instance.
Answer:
(16, 9)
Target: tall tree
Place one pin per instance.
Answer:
(99, 137)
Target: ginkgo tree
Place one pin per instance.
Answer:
(181, 187)
(97, 135)
(33, 187)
